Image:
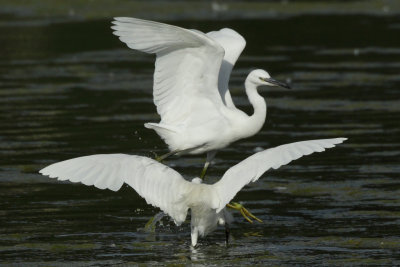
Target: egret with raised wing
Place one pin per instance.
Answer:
(190, 86)
(165, 188)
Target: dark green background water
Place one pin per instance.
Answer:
(69, 88)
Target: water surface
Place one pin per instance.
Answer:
(69, 88)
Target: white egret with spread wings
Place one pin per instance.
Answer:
(165, 188)
(190, 88)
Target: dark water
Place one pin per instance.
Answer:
(69, 88)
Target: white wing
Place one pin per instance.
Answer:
(233, 44)
(158, 184)
(250, 169)
(186, 69)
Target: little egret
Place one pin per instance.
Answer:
(190, 86)
(165, 188)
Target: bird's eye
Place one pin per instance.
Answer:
(261, 79)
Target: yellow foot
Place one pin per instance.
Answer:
(246, 214)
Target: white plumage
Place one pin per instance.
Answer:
(190, 87)
(165, 188)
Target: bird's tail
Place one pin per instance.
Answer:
(168, 133)
(160, 127)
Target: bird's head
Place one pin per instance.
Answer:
(261, 77)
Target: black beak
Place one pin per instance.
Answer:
(277, 83)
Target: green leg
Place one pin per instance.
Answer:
(210, 156)
(162, 157)
(150, 226)
(203, 172)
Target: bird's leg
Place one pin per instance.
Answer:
(245, 213)
(203, 172)
(166, 155)
(150, 226)
(210, 156)
(176, 151)
(194, 235)
(227, 233)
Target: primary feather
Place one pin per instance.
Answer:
(250, 169)
(185, 69)
(145, 175)
(233, 44)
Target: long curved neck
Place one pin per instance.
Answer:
(255, 121)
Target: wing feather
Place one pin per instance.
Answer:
(89, 178)
(158, 184)
(250, 169)
(233, 44)
(187, 65)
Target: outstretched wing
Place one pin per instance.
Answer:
(233, 44)
(158, 184)
(250, 169)
(186, 69)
